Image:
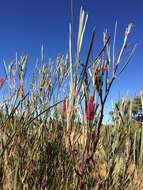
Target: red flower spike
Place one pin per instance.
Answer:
(89, 109)
(1, 82)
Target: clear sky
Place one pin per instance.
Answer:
(26, 24)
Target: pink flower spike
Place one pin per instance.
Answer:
(89, 109)
(64, 107)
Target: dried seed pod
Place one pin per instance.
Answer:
(21, 92)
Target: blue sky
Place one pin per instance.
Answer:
(27, 24)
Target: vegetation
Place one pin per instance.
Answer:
(52, 136)
(135, 104)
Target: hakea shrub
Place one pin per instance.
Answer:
(38, 149)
